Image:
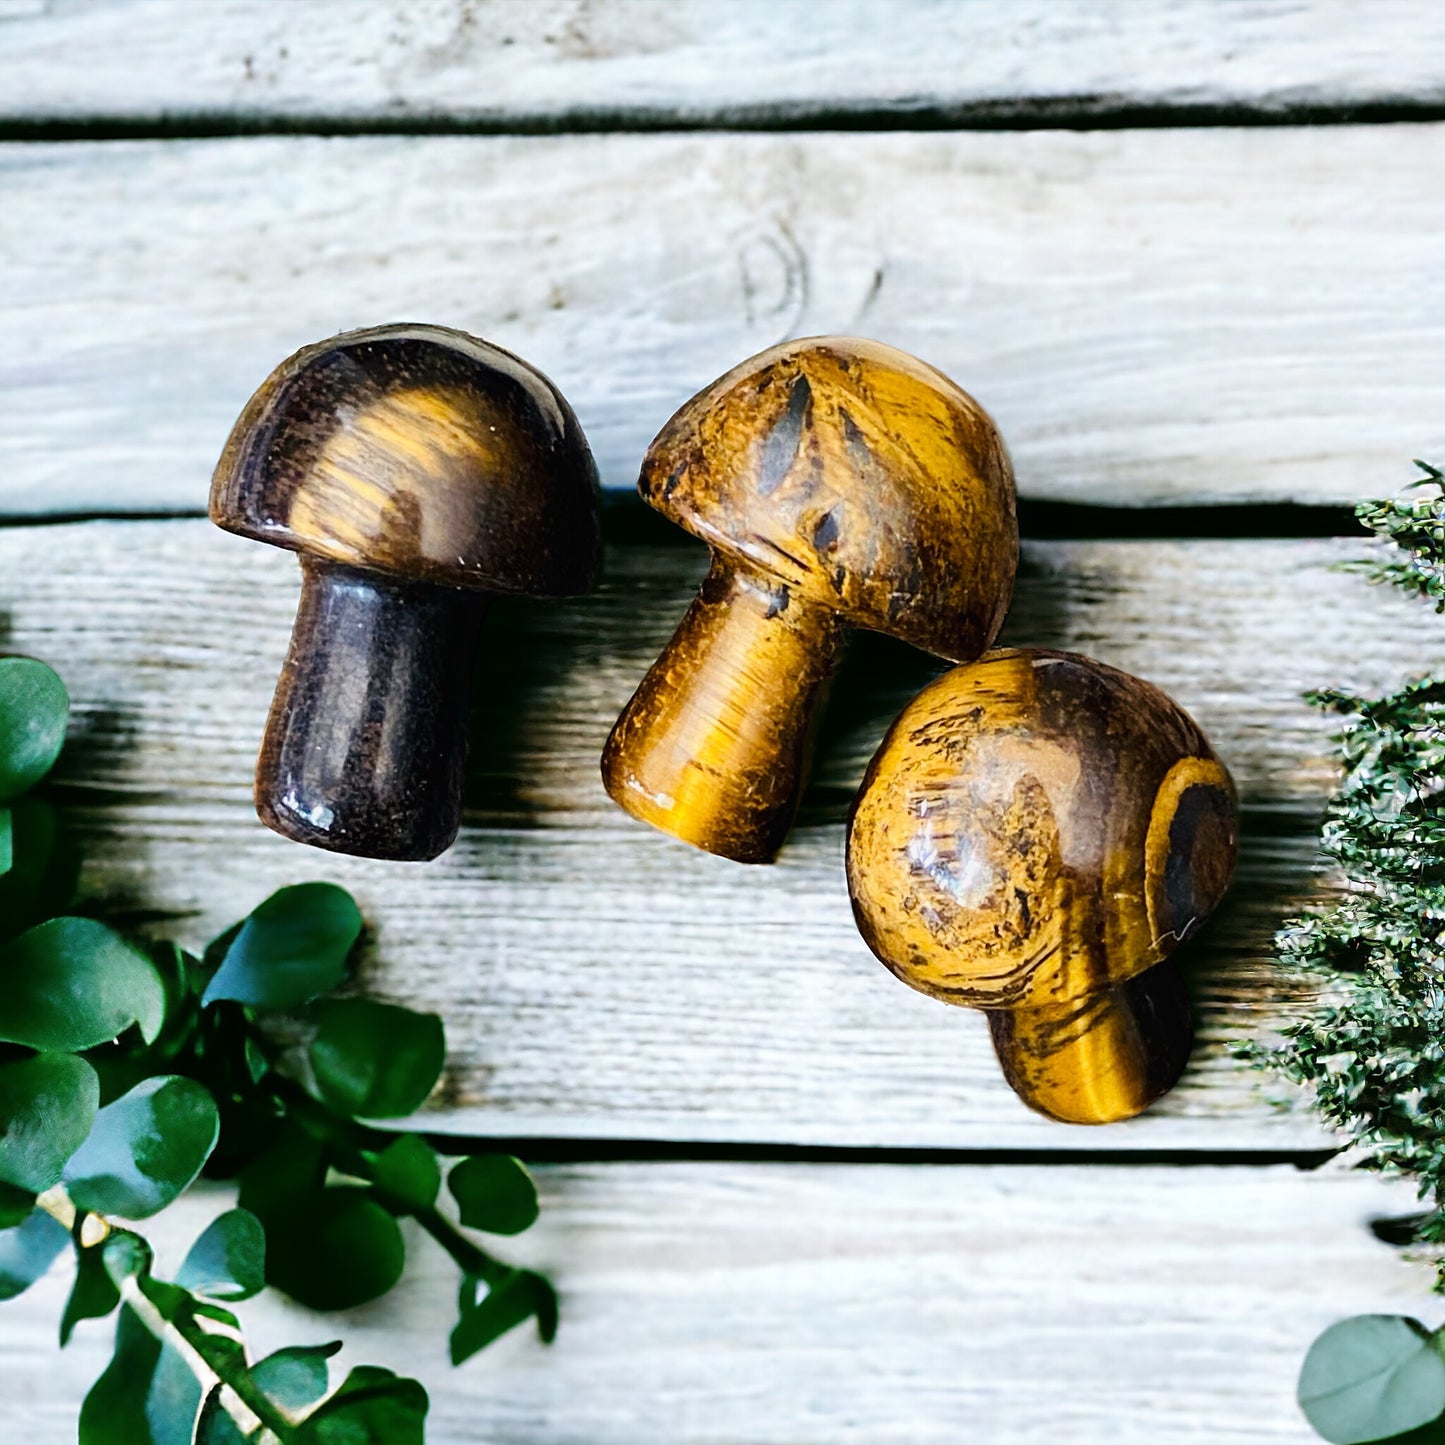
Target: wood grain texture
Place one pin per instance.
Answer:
(1150, 316)
(600, 980)
(747, 1304)
(384, 61)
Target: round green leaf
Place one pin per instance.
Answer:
(47, 1105)
(375, 1060)
(93, 1295)
(145, 1149)
(15, 1205)
(215, 1427)
(33, 713)
(27, 1251)
(228, 1261)
(295, 1377)
(44, 867)
(372, 1407)
(293, 948)
(494, 1193)
(333, 1248)
(291, 1163)
(407, 1173)
(72, 983)
(1371, 1377)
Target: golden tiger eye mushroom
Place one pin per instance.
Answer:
(839, 483)
(1036, 835)
(416, 469)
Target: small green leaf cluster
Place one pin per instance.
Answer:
(128, 1068)
(1416, 525)
(1371, 1048)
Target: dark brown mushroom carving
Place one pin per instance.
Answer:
(840, 483)
(1035, 836)
(416, 469)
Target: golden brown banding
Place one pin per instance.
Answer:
(840, 483)
(1111, 1056)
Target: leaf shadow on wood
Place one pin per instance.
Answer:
(94, 805)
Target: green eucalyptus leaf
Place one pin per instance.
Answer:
(47, 1105)
(494, 1193)
(93, 1295)
(372, 1407)
(126, 1256)
(121, 1064)
(407, 1173)
(333, 1248)
(1372, 1377)
(293, 948)
(33, 713)
(45, 866)
(27, 1250)
(73, 983)
(145, 1149)
(147, 1395)
(228, 1261)
(296, 1377)
(1431, 1434)
(7, 840)
(375, 1060)
(216, 1427)
(515, 1297)
(15, 1205)
(292, 1164)
(216, 950)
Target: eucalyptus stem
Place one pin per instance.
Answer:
(470, 1258)
(265, 1412)
(170, 1333)
(185, 1338)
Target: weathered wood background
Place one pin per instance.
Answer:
(1187, 252)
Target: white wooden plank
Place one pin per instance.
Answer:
(600, 980)
(381, 61)
(747, 1304)
(1154, 316)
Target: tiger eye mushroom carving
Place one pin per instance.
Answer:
(1036, 835)
(839, 483)
(415, 469)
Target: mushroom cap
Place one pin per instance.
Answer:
(859, 479)
(417, 451)
(1035, 827)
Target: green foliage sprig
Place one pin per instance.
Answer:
(1372, 1049)
(128, 1068)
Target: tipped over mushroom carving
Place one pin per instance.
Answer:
(1036, 835)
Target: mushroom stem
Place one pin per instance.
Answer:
(1106, 1057)
(366, 746)
(714, 745)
